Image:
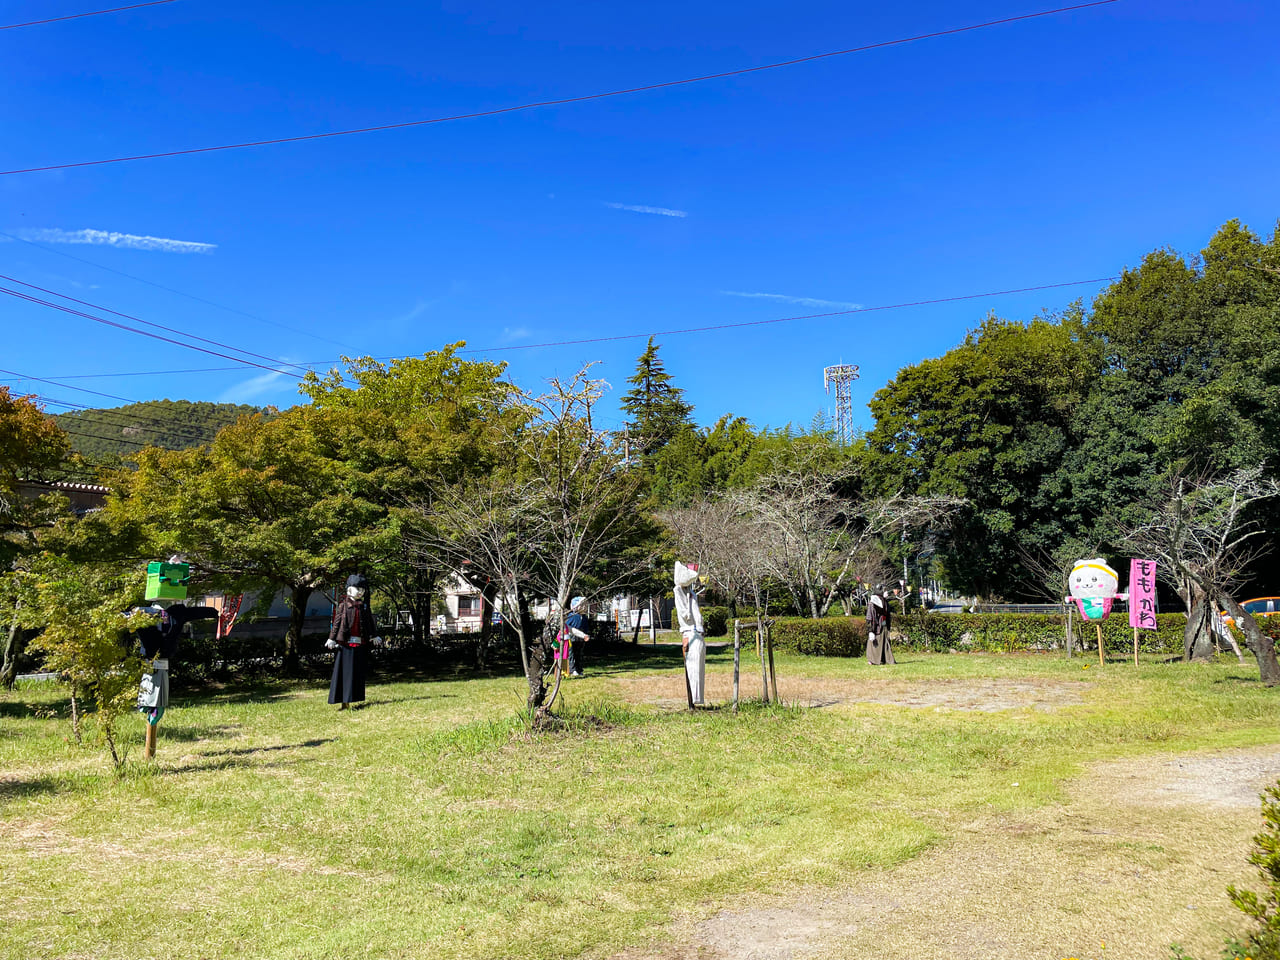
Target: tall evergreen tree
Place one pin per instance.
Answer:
(656, 409)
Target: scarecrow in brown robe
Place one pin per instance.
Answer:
(878, 650)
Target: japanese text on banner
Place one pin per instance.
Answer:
(1142, 594)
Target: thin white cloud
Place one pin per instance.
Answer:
(640, 208)
(252, 388)
(110, 238)
(802, 301)
(510, 334)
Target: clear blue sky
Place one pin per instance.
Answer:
(1052, 150)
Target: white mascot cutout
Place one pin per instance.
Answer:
(690, 620)
(1093, 588)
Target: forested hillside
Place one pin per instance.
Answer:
(173, 424)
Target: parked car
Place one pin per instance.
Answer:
(1258, 606)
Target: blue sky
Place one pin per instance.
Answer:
(1041, 152)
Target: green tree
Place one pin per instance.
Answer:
(32, 447)
(277, 502)
(84, 618)
(655, 408)
(431, 422)
(989, 422)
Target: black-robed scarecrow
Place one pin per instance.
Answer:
(353, 630)
(878, 650)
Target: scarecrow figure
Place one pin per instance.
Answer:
(690, 619)
(878, 620)
(573, 624)
(159, 644)
(1093, 588)
(354, 628)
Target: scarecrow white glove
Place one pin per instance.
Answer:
(330, 645)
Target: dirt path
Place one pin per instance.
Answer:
(1137, 858)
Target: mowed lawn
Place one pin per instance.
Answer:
(434, 823)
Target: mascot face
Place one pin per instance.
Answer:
(1093, 578)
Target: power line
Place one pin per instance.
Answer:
(77, 16)
(138, 420)
(163, 427)
(180, 293)
(808, 316)
(667, 333)
(566, 100)
(158, 326)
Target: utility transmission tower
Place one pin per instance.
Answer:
(842, 375)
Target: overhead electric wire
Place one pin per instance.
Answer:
(666, 333)
(91, 13)
(562, 101)
(807, 316)
(158, 326)
(163, 426)
(180, 293)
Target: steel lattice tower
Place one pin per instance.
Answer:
(842, 375)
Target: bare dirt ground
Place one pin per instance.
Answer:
(1137, 858)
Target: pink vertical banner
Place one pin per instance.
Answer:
(1142, 594)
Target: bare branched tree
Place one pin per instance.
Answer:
(818, 534)
(563, 518)
(1201, 534)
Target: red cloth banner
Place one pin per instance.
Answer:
(1142, 594)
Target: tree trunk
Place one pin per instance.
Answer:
(764, 666)
(75, 714)
(1197, 635)
(12, 649)
(488, 594)
(525, 630)
(1259, 644)
(297, 620)
(773, 674)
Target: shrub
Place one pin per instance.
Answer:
(828, 637)
(715, 621)
(978, 632)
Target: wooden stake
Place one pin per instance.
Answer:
(1135, 646)
(737, 659)
(773, 674)
(149, 749)
(764, 666)
(1098, 627)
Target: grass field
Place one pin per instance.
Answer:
(434, 823)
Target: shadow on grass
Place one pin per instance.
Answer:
(248, 751)
(20, 788)
(44, 710)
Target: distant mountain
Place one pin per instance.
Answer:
(176, 424)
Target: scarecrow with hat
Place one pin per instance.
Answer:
(354, 628)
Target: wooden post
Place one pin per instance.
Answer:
(737, 659)
(1070, 632)
(1098, 627)
(764, 666)
(149, 749)
(1135, 646)
(773, 674)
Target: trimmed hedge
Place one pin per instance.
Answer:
(978, 632)
(715, 621)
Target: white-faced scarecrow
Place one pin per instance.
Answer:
(689, 616)
(879, 652)
(166, 582)
(354, 630)
(1094, 585)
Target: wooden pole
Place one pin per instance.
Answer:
(1098, 627)
(1070, 632)
(737, 659)
(149, 749)
(764, 666)
(773, 674)
(1135, 646)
